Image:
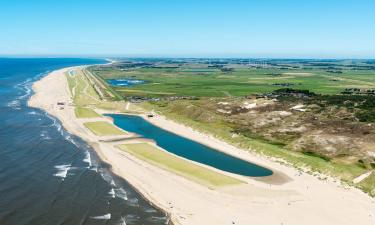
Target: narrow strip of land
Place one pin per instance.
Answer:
(152, 154)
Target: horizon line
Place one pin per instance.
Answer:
(106, 56)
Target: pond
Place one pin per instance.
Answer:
(125, 82)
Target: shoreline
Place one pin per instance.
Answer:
(323, 202)
(93, 144)
(143, 194)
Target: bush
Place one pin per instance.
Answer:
(366, 115)
(315, 154)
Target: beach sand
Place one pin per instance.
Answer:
(289, 198)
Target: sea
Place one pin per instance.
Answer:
(48, 176)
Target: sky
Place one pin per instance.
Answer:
(189, 28)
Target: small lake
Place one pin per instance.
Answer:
(125, 82)
(187, 148)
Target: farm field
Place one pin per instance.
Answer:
(225, 80)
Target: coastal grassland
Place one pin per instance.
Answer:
(214, 124)
(191, 171)
(102, 128)
(85, 113)
(102, 87)
(84, 94)
(368, 184)
(209, 82)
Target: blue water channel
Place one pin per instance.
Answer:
(187, 148)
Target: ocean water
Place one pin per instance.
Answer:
(187, 148)
(48, 176)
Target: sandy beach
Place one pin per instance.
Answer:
(290, 197)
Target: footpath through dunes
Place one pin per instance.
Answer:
(304, 199)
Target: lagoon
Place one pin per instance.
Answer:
(187, 148)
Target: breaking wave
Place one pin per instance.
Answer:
(103, 217)
(87, 159)
(62, 170)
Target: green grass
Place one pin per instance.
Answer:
(179, 166)
(368, 184)
(102, 128)
(107, 88)
(240, 82)
(85, 96)
(83, 93)
(85, 113)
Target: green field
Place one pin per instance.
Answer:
(102, 128)
(239, 82)
(85, 113)
(179, 166)
(368, 184)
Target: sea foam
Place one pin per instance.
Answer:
(103, 217)
(87, 159)
(62, 171)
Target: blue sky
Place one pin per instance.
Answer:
(201, 28)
